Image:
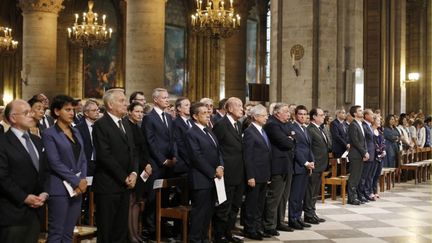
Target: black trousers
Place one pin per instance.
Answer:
(21, 233)
(356, 170)
(312, 190)
(112, 217)
(298, 190)
(254, 207)
(203, 202)
(226, 214)
(283, 205)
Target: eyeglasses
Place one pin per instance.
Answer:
(93, 110)
(25, 113)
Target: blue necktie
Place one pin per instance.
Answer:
(31, 151)
(264, 135)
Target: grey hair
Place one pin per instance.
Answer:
(88, 103)
(258, 110)
(109, 96)
(206, 101)
(157, 91)
(339, 111)
(279, 106)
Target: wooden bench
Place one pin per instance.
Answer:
(177, 212)
(407, 164)
(335, 180)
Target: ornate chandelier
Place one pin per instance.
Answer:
(214, 20)
(89, 34)
(7, 44)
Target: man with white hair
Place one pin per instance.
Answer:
(116, 168)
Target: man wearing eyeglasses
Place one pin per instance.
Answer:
(23, 177)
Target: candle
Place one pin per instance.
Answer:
(103, 18)
(84, 18)
(69, 32)
(293, 59)
(110, 32)
(231, 3)
(76, 18)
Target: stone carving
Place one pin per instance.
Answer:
(50, 6)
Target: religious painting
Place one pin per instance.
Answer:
(100, 69)
(175, 59)
(100, 64)
(251, 51)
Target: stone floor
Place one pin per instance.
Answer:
(402, 215)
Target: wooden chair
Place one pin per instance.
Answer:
(178, 212)
(334, 180)
(408, 165)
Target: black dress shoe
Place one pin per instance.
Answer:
(233, 239)
(311, 220)
(354, 202)
(321, 220)
(253, 235)
(371, 198)
(272, 232)
(295, 225)
(221, 239)
(363, 200)
(284, 227)
(303, 223)
(263, 234)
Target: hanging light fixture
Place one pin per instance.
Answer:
(214, 20)
(7, 44)
(89, 33)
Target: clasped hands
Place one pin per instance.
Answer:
(219, 172)
(170, 162)
(82, 187)
(34, 201)
(131, 180)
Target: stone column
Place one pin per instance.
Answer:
(145, 40)
(40, 46)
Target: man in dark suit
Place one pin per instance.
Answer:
(257, 155)
(182, 123)
(220, 111)
(209, 104)
(365, 187)
(303, 166)
(206, 164)
(320, 148)
(24, 176)
(158, 129)
(282, 142)
(358, 153)
(47, 121)
(116, 169)
(228, 132)
(85, 127)
(339, 134)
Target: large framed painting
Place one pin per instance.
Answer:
(100, 70)
(251, 51)
(175, 59)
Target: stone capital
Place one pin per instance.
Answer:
(49, 6)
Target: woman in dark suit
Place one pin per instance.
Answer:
(392, 138)
(65, 151)
(135, 116)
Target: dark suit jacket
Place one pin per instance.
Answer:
(231, 149)
(303, 150)
(358, 143)
(339, 137)
(320, 148)
(283, 146)
(18, 178)
(369, 136)
(50, 120)
(215, 118)
(88, 145)
(204, 157)
(1, 129)
(115, 156)
(257, 155)
(180, 128)
(62, 160)
(160, 140)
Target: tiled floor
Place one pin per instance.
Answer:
(403, 214)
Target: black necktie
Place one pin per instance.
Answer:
(31, 151)
(164, 119)
(206, 130)
(236, 127)
(121, 127)
(323, 134)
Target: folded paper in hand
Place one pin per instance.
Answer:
(69, 188)
(144, 176)
(220, 189)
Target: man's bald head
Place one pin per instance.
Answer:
(18, 114)
(234, 107)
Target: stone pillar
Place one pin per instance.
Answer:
(40, 46)
(235, 63)
(145, 40)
